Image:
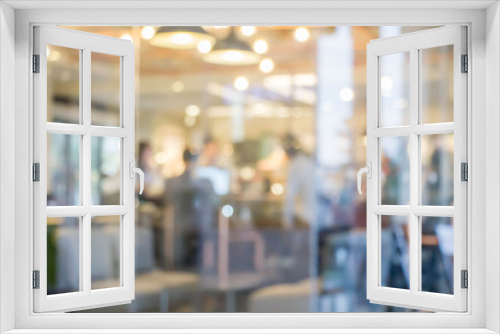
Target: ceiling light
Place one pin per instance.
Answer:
(386, 83)
(127, 37)
(205, 46)
(148, 32)
(346, 94)
(181, 37)
(248, 30)
(266, 65)
(241, 83)
(260, 46)
(160, 158)
(277, 189)
(177, 86)
(189, 121)
(231, 51)
(193, 110)
(301, 34)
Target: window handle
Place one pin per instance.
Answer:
(368, 171)
(134, 170)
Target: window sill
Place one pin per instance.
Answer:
(252, 331)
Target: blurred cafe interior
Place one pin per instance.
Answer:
(250, 139)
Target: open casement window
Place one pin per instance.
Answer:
(416, 198)
(84, 168)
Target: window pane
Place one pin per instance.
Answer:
(105, 258)
(395, 171)
(63, 84)
(437, 254)
(105, 89)
(394, 89)
(437, 84)
(437, 169)
(106, 176)
(63, 169)
(63, 255)
(395, 259)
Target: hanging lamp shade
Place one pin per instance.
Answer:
(232, 51)
(181, 37)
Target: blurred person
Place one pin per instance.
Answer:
(194, 204)
(300, 190)
(301, 206)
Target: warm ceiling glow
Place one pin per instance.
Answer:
(177, 86)
(301, 34)
(260, 46)
(248, 30)
(148, 32)
(160, 158)
(126, 36)
(204, 46)
(241, 83)
(266, 65)
(193, 110)
(277, 189)
(346, 94)
(189, 121)
(231, 57)
(180, 37)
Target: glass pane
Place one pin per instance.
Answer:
(437, 84)
(106, 176)
(395, 170)
(63, 84)
(105, 258)
(395, 89)
(105, 89)
(395, 258)
(250, 173)
(63, 169)
(437, 169)
(437, 254)
(63, 255)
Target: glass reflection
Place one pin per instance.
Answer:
(105, 89)
(63, 255)
(63, 169)
(63, 84)
(437, 169)
(437, 84)
(437, 254)
(394, 89)
(395, 171)
(105, 172)
(394, 255)
(105, 253)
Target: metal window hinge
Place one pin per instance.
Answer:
(465, 64)
(36, 63)
(36, 279)
(464, 279)
(464, 171)
(36, 172)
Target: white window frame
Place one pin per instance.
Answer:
(484, 103)
(413, 44)
(86, 44)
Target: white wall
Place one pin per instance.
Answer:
(7, 159)
(492, 166)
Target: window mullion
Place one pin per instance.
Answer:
(414, 171)
(85, 166)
